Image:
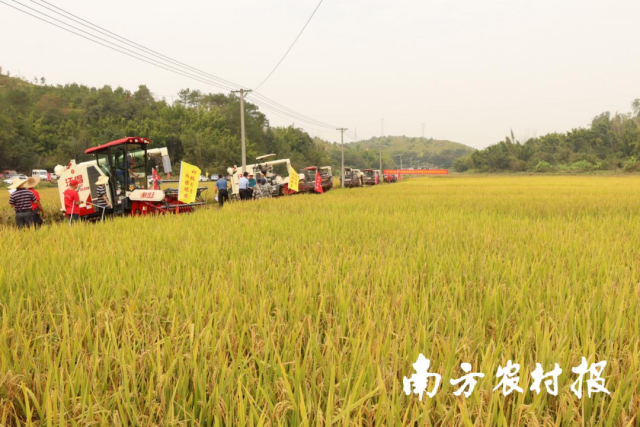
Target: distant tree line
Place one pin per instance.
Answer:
(43, 125)
(609, 143)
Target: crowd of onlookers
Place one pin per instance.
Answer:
(250, 187)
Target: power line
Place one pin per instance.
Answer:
(290, 47)
(105, 45)
(179, 68)
(220, 83)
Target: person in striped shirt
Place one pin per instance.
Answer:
(20, 200)
(102, 201)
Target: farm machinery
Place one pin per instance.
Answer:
(264, 167)
(351, 178)
(325, 176)
(372, 177)
(127, 165)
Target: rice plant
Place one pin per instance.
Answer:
(309, 310)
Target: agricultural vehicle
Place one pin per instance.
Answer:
(372, 177)
(360, 176)
(325, 176)
(265, 168)
(351, 178)
(127, 164)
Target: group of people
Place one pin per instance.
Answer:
(25, 201)
(250, 187)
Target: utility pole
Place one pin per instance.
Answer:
(381, 159)
(342, 130)
(242, 93)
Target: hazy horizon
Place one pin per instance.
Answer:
(470, 72)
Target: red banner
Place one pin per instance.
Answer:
(318, 183)
(416, 171)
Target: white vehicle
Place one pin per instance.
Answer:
(262, 167)
(10, 180)
(41, 173)
(203, 178)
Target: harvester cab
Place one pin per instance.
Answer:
(126, 162)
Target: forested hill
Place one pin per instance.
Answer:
(423, 152)
(609, 143)
(43, 125)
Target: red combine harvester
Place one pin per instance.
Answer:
(126, 163)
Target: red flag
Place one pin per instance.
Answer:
(48, 176)
(377, 179)
(318, 183)
(156, 178)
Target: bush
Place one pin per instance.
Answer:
(517, 165)
(631, 165)
(543, 166)
(581, 165)
(462, 164)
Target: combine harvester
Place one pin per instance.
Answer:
(352, 178)
(126, 162)
(325, 175)
(264, 167)
(372, 177)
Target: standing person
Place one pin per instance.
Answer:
(252, 185)
(20, 200)
(102, 201)
(72, 201)
(262, 189)
(243, 185)
(36, 207)
(222, 190)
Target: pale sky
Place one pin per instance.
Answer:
(470, 70)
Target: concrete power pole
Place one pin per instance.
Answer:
(342, 130)
(381, 159)
(242, 93)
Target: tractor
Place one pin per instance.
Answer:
(126, 162)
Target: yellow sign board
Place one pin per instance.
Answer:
(188, 186)
(294, 181)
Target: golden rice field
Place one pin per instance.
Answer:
(310, 310)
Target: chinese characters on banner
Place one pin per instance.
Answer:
(293, 180)
(188, 186)
(509, 379)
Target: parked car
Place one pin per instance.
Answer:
(9, 181)
(42, 174)
(214, 177)
(9, 174)
(203, 178)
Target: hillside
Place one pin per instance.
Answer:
(43, 125)
(417, 151)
